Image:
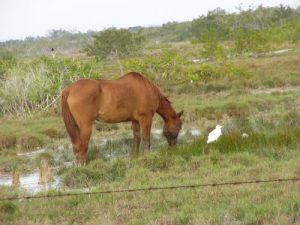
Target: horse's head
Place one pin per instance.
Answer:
(172, 127)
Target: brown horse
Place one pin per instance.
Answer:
(129, 98)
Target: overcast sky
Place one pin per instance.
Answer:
(22, 18)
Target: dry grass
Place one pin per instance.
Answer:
(7, 141)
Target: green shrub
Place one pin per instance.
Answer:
(207, 72)
(115, 43)
(166, 64)
(251, 40)
(7, 62)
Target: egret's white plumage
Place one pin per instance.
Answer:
(215, 134)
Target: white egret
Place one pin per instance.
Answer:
(215, 134)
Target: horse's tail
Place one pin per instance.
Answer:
(68, 118)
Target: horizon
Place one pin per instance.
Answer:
(19, 24)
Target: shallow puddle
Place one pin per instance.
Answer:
(30, 182)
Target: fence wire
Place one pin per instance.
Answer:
(295, 179)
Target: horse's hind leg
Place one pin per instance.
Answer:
(85, 135)
(137, 136)
(76, 148)
(146, 123)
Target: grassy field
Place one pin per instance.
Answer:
(275, 203)
(258, 96)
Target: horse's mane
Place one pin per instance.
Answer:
(156, 89)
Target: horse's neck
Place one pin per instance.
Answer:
(165, 110)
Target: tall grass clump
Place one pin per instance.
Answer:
(28, 143)
(96, 172)
(37, 84)
(7, 141)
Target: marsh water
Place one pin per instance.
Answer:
(30, 182)
(111, 148)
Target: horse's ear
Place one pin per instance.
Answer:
(180, 113)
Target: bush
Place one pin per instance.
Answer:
(251, 40)
(207, 72)
(166, 64)
(7, 62)
(115, 44)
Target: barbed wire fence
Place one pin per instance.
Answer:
(148, 189)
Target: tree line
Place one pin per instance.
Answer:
(256, 29)
(252, 30)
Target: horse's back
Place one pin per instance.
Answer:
(128, 97)
(124, 99)
(141, 88)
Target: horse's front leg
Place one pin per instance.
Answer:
(136, 135)
(145, 124)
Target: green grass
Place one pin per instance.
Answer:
(264, 105)
(261, 156)
(29, 132)
(276, 203)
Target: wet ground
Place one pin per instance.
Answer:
(31, 181)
